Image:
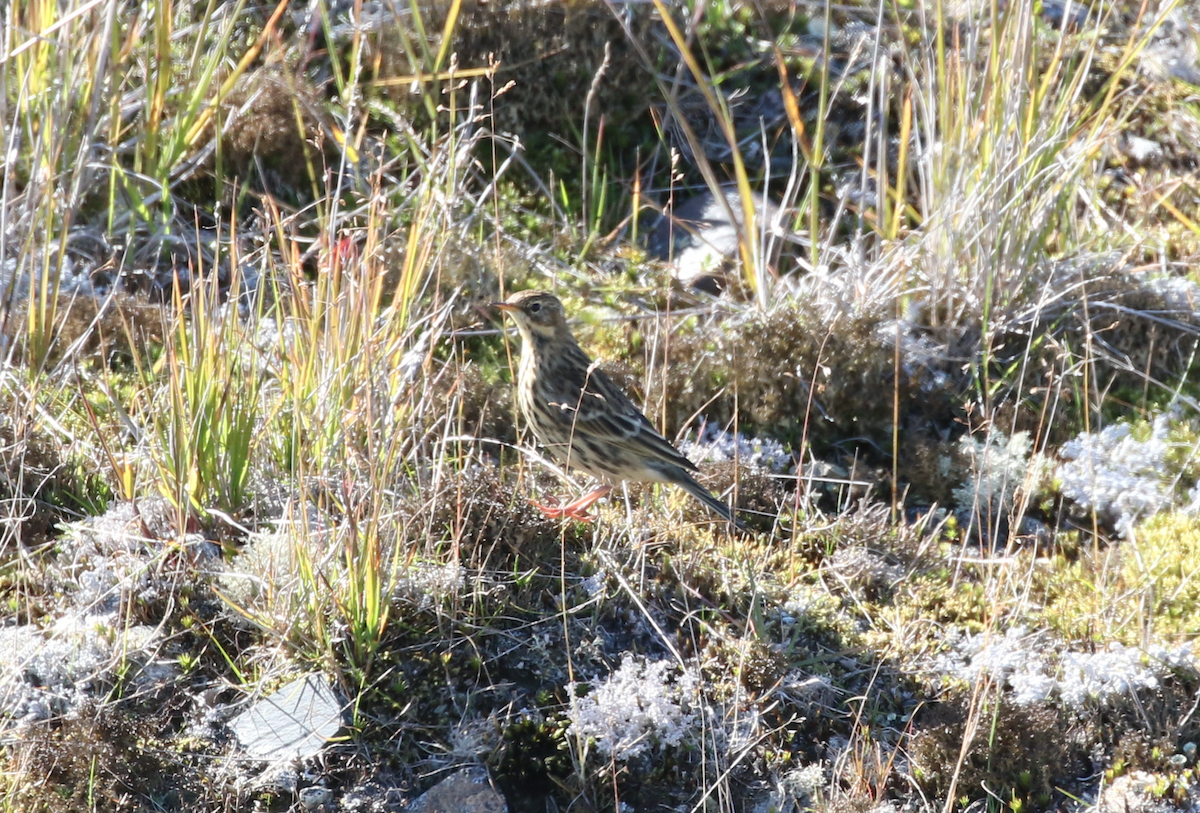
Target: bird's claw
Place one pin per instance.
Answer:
(576, 510)
(555, 511)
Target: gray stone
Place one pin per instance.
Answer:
(293, 723)
(373, 797)
(700, 240)
(277, 779)
(316, 798)
(1173, 52)
(1143, 150)
(467, 791)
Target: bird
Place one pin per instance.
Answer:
(582, 418)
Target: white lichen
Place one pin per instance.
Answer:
(119, 555)
(47, 673)
(715, 445)
(1036, 672)
(642, 705)
(1002, 470)
(1125, 476)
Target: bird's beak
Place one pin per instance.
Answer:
(504, 306)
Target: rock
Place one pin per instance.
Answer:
(293, 723)
(1068, 15)
(701, 242)
(373, 797)
(1140, 792)
(467, 791)
(277, 779)
(316, 798)
(1173, 52)
(1143, 150)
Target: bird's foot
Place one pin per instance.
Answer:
(574, 510)
(554, 511)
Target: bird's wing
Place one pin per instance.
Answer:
(591, 403)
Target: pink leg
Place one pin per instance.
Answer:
(577, 509)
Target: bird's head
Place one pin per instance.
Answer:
(538, 314)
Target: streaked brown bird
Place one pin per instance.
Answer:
(580, 416)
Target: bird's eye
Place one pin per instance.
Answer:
(535, 307)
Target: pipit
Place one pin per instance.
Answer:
(580, 416)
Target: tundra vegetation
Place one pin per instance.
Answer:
(256, 421)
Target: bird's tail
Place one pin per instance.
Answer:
(689, 484)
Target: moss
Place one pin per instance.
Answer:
(482, 515)
(272, 135)
(105, 332)
(38, 487)
(1137, 333)
(533, 758)
(99, 759)
(911, 624)
(485, 405)
(1022, 755)
(1150, 588)
(748, 663)
(1164, 566)
(929, 469)
(551, 54)
(774, 372)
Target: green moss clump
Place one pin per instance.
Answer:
(1152, 587)
(273, 135)
(534, 756)
(774, 372)
(923, 606)
(748, 663)
(1160, 569)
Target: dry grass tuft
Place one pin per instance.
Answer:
(1014, 751)
(274, 135)
(101, 758)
